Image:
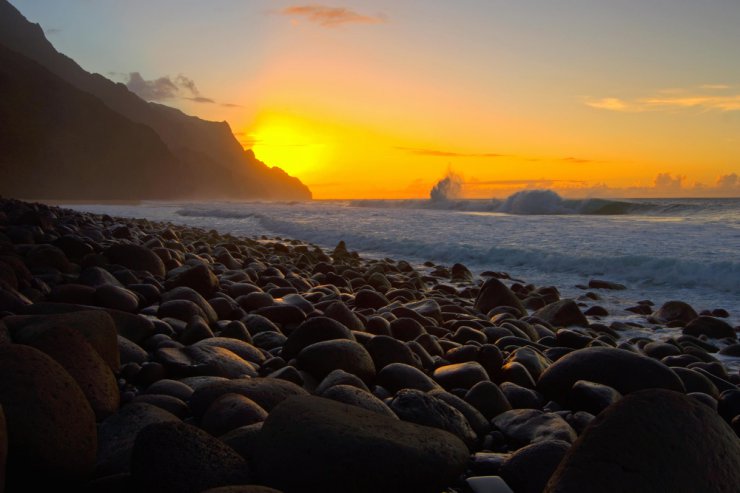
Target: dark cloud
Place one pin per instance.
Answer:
(577, 160)
(331, 16)
(165, 88)
(201, 99)
(728, 181)
(231, 105)
(438, 153)
(666, 181)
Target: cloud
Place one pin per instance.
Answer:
(438, 153)
(201, 99)
(728, 181)
(665, 181)
(673, 99)
(331, 16)
(51, 31)
(231, 105)
(165, 88)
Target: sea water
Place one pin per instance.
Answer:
(661, 249)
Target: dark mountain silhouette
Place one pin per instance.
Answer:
(209, 155)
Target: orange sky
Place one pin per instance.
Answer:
(381, 99)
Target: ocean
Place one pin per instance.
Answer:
(660, 249)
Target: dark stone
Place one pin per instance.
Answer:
(174, 388)
(385, 350)
(242, 349)
(487, 398)
(516, 373)
(602, 284)
(425, 409)
(529, 468)
(136, 257)
(190, 294)
(51, 427)
(198, 277)
(117, 298)
(193, 361)
(117, 433)
(562, 313)
(623, 370)
(653, 440)
(406, 329)
(480, 425)
(524, 426)
(173, 405)
(460, 375)
(694, 381)
(319, 359)
(397, 376)
(176, 457)
(340, 377)
(674, 311)
(521, 397)
(354, 396)
(266, 392)
(230, 411)
(460, 273)
(183, 310)
(710, 327)
(341, 313)
(494, 294)
(591, 397)
(354, 450)
(368, 298)
(315, 329)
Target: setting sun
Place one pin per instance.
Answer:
(288, 143)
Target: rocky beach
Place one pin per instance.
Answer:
(146, 356)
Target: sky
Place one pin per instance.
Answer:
(383, 98)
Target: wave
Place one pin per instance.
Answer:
(214, 212)
(638, 269)
(549, 202)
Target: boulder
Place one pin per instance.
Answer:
(117, 434)
(460, 375)
(231, 411)
(135, 257)
(354, 396)
(521, 427)
(315, 329)
(710, 327)
(529, 468)
(321, 358)
(494, 294)
(198, 277)
(51, 427)
(674, 311)
(562, 313)
(196, 360)
(315, 444)
(620, 369)
(266, 392)
(652, 440)
(179, 458)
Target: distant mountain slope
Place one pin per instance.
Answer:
(220, 167)
(58, 142)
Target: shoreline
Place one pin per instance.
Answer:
(196, 325)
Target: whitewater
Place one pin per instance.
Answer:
(661, 249)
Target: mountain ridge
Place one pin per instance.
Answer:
(209, 150)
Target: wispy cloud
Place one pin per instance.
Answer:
(51, 31)
(326, 16)
(231, 105)
(706, 98)
(438, 153)
(167, 88)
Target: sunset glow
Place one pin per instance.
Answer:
(380, 99)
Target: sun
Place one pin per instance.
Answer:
(289, 144)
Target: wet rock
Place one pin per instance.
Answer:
(710, 327)
(592, 397)
(562, 313)
(174, 388)
(340, 377)
(674, 311)
(494, 294)
(176, 457)
(190, 294)
(683, 446)
(52, 433)
(341, 313)
(355, 449)
(521, 397)
(173, 405)
(242, 349)
(131, 352)
(198, 277)
(602, 284)
(623, 370)
(115, 297)
(368, 298)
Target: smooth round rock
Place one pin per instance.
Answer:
(313, 330)
(266, 392)
(397, 376)
(652, 440)
(117, 433)
(176, 457)
(354, 396)
(620, 369)
(487, 398)
(460, 375)
(321, 358)
(524, 426)
(231, 411)
(51, 427)
(562, 313)
(386, 350)
(529, 468)
(354, 450)
(494, 294)
(591, 397)
(136, 257)
(710, 327)
(675, 311)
